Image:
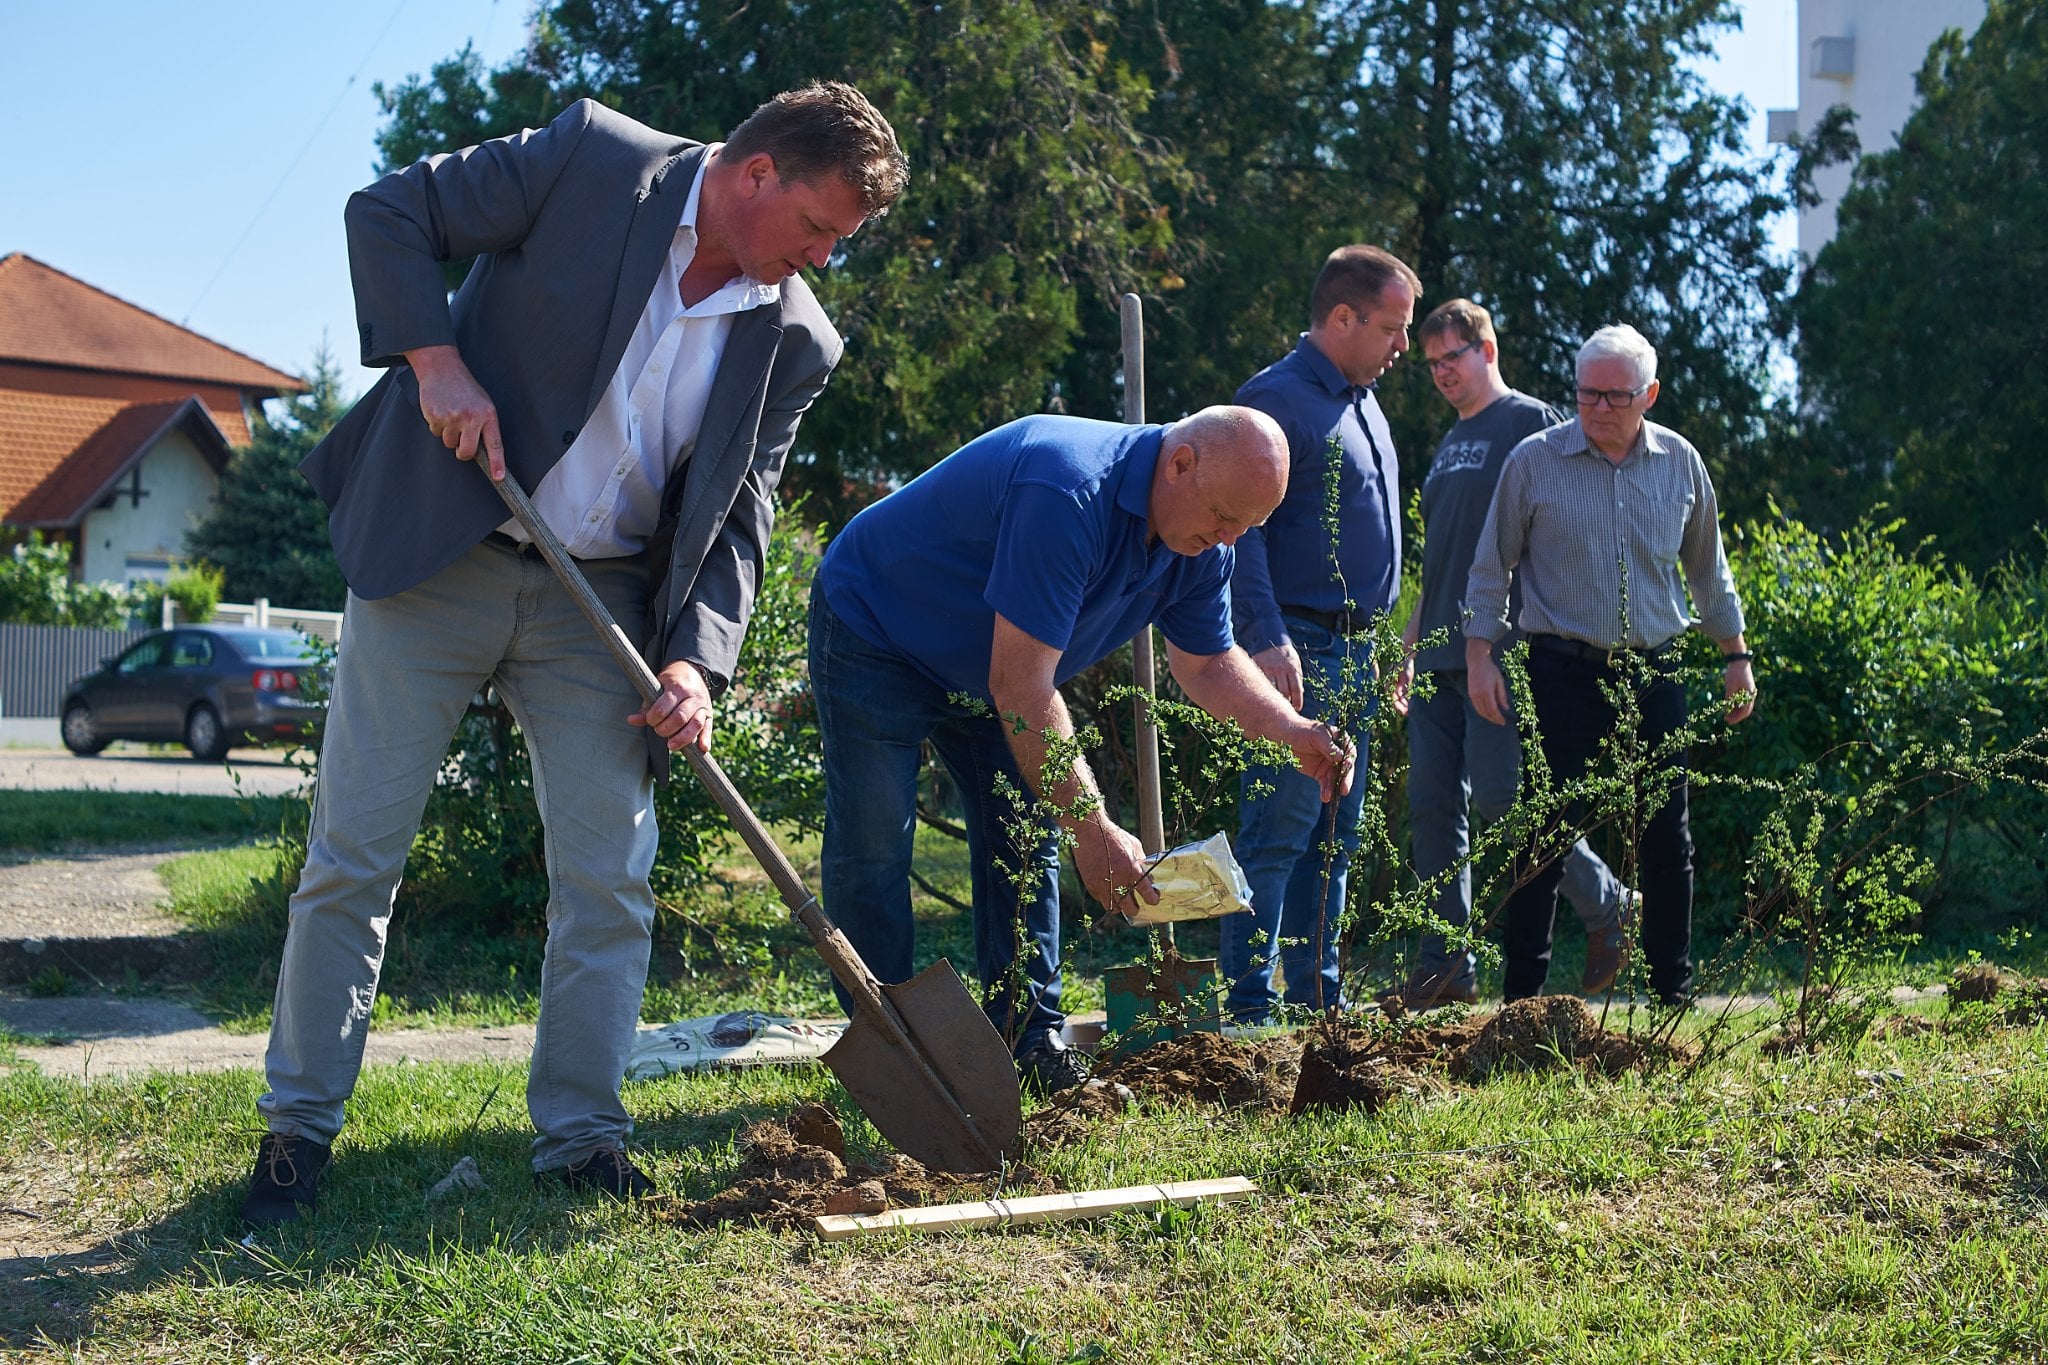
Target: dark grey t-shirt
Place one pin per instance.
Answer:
(1455, 497)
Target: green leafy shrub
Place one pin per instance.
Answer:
(36, 589)
(1870, 654)
(194, 591)
(479, 854)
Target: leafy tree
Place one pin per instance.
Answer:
(1558, 162)
(1933, 396)
(267, 529)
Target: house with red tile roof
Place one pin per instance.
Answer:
(115, 424)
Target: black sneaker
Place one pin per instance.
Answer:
(288, 1170)
(1047, 1068)
(606, 1171)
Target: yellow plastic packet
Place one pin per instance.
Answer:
(1200, 880)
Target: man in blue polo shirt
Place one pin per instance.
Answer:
(1303, 605)
(954, 608)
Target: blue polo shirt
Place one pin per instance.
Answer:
(1042, 521)
(1286, 562)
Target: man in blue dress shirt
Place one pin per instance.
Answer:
(1303, 605)
(954, 608)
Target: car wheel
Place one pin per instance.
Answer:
(205, 736)
(81, 735)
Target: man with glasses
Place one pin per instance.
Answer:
(1302, 603)
(1604, 523)
(1454, 759)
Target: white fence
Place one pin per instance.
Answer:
(322, 625)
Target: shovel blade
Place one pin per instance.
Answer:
(970, 1119)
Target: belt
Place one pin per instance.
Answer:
(1579, 649)
(505, 542)
(1337, 622)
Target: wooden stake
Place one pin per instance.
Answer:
(1040, 1208)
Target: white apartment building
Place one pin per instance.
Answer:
(1865, 54)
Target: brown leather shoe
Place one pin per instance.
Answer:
(1607, 950)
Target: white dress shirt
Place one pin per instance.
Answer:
(604, 497)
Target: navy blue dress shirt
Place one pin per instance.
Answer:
(1288, 561)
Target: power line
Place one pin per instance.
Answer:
(305, 147)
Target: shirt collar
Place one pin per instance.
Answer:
(1649, 439)
(752, 293)
(1134, 493)
(1322, 367)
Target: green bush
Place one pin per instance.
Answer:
(36, 589)
(1873, 657)
(195, 591)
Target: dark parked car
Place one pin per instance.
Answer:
(210, 686)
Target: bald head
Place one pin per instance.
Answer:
(1221, 471)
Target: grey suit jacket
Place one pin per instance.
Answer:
(570, 224)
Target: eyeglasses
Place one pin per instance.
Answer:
(1614, 398)
(1442, 364)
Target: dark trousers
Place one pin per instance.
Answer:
(1574, 717)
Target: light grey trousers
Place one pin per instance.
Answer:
(407, 668)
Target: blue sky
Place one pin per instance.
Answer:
(193, 157)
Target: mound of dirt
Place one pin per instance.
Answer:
(2020, 1001)
(1976, 984)
(793, 1169)
(1207, 1068)
(1350, 1066)
(1528, 1035)
(1342, 1069)
(1072, 1114)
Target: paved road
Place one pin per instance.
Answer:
(112, 1037)
(135, 768)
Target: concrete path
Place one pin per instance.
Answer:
(136, 768)
(102, 1037)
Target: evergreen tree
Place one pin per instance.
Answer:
(1559, 162)
(267, 529)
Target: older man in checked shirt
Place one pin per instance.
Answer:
(1606, 521)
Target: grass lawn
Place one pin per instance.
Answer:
(1882, 1205)
(39, 823)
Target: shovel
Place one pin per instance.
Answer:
(1157, 996)
(921, 1059)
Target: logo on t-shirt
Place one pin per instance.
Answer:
(1459, 456)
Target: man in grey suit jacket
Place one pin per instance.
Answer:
(636, 345)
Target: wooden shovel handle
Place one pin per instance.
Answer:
(839, 954)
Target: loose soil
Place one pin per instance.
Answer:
(794, 1169)
(2019, 1001)
(1342, 1065)
(1347, 1066)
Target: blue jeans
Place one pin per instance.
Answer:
(1287, 841)
(875, 711)
(1455, 758)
